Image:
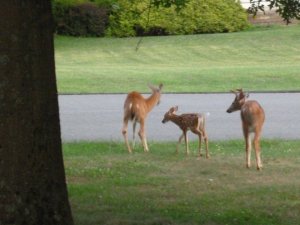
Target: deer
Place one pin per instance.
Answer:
(195, 122)
(136, 109)
(253, 117)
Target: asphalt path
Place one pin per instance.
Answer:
(99, 117)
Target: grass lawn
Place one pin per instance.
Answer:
(262, 59)
(109, 186)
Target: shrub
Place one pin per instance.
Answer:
(84, 19)
(129, 18)
(106, 3)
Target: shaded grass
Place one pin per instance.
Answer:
(109, 186)
(262, 59)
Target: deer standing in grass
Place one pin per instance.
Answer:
(136, 109)
(194, 122)
(253, 117)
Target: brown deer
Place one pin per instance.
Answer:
(253, 117)
(136, 109)
(194, 122)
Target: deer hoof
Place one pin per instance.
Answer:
(259, 168)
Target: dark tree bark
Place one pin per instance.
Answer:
(32, 179)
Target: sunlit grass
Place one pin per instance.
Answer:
(263, 59)
(109, 186)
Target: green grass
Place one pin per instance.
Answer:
(260, 59)
(109, 186)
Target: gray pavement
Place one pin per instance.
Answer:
(99, 117)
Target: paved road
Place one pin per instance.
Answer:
(99, 117)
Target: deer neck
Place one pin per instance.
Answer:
(152, 101)
(175, 119)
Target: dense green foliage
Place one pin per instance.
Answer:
(123, 18)
(80, 18)
(130, 18)
(77, 2)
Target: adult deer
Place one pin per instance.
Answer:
(136, 109)
(253, 117)
(194, 122)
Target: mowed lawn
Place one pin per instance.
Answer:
(109, 186)
(263, 59)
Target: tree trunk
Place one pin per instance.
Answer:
(32, 179)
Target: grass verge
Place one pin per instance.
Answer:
(109, 186)
(262, 59)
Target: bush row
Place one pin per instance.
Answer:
(80, 18)
(123, 18)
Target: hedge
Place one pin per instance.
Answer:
(129, 18)
(124, 18)
(80, 18)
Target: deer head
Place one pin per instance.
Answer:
(238, 102)
(168, 114)
(156, 91)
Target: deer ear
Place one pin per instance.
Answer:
(160, 87)
(243, 94)
(234, 92)
(151, 87)
(173, 109)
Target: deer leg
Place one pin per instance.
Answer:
(199, 133)
(248, 151)
(257, 150)
(179, 142)
(125, 134)
(206, 144)
(186, 143)
(200, 140)
(143, 136)
(133, 137)
(248, 145)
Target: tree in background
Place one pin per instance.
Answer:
(32, 185)
(287, 9)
